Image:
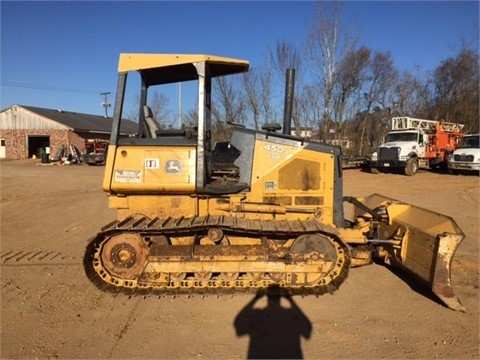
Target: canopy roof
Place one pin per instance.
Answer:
(159, 69)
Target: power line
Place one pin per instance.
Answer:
(46, 87)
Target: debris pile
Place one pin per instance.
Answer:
(62, 157)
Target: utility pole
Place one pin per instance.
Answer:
(179, 105)
(105, 102)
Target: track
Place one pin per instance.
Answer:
(128, 257)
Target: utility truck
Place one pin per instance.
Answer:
(95, 151)
(414, 144)
(466, 158)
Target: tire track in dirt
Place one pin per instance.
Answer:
(11, 291)
(468, 195)
(38, 257)
(15, 197)
(128, 321)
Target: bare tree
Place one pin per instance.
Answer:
(266, 94)
(285, 56)
(158, 103)
(350, 77)
(251, 82)
(229, 105)
(380, 84)
(190, 118)
(408, 96)
(160, 109)
(327, 43)
(311, 109)
(457, 91)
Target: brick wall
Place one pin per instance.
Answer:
(16, 146)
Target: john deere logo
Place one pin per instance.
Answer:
(173, 166)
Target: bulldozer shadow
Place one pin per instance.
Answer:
(412, 282)
(275, 331)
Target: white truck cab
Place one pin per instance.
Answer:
(466, 158)
(402, 149)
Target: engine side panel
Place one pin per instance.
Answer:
(301, 176)
(151, 169)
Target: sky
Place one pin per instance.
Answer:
(64, 54)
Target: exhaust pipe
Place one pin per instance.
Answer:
(287, 109)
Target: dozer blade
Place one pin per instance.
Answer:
(417, 240)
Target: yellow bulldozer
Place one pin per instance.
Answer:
(263, 209)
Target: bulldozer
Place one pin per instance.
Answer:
(263, 209)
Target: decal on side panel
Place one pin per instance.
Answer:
(270, 185)
(128, 176)
(152, 163)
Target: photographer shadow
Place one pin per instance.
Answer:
(275, 331)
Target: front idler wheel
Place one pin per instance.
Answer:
(124, 256)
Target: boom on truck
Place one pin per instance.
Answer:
(414, 144)
(280, 221)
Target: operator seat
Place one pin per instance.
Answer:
(152, 125)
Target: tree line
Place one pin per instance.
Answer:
(344, 91)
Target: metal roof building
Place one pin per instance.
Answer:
(24, 130)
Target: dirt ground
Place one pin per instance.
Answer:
(49, 309)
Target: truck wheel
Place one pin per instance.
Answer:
(411, 167)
